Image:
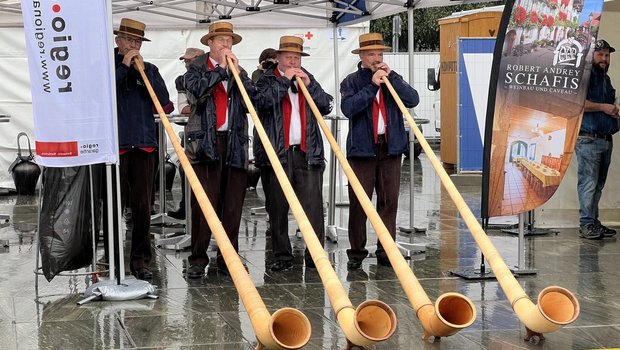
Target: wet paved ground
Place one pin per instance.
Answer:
(207, 313)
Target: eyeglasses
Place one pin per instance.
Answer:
(135, 41)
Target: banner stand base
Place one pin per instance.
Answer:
(129, 289)
(332, 232)
(516, 271)
(411, 229)
(162, 219)
(473, 274)
(409, 249)
(531, 232)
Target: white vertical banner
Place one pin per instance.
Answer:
(71, 81)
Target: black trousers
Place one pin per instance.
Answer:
(380, 173)
(225, 187)
(136, 168)
(307, 182)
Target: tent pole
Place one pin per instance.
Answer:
(411, 228)
(331, 231)
(119, 229)
(93, 224)
(111, 229)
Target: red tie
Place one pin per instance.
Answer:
(375, 113)
(221, 100)
(287, 109)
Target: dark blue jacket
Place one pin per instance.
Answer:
(358, 93)
(270, 91)
(136, 124)
(600, 91)
(200, 83)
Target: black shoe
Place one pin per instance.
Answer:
(353, 265)
(606, 231)
(195, 271)
(178, 214)
(590, 231)
(143, 273)
(281, 265)
(384, 262)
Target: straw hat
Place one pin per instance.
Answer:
(371, 41)
(131, 28)
(289, 43)
(191, 52)
(221, 28)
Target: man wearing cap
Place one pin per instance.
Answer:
(137, 137)
(296, 139)
(217, 141)
(594, 143)
(190, 55)
(265, 60)
(375, 142)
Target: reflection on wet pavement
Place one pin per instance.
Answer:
(207, 313)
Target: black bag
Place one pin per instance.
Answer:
(24, 170)
(65, 231)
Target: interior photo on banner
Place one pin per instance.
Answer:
(539, 80)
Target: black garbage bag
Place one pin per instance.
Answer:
(65, 233)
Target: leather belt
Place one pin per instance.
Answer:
(295, 148)
(606, 137)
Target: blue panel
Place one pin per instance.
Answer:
(347, 17)
(470, 140)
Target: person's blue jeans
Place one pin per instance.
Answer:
(593, 157)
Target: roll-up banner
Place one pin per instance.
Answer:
(68, 44)
(539, 80)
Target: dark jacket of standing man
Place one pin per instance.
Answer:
(594, 143)
(217, 141)
(137, 137)
(296, 139)
(376, 141)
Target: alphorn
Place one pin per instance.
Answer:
(453, 311)
(556, 307)
(373, 320)
(287, 328)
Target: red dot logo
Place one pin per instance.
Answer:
(56, 8)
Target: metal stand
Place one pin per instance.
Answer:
(411, 228)
(503, 222)
(411, 44)
(162, 219)
(520, 269)
(181, 239)
(480, 273)
(4, 218)
(531, 230)
(332, 229)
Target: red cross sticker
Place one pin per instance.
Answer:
(309, 35)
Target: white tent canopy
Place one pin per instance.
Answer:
(247, 13)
